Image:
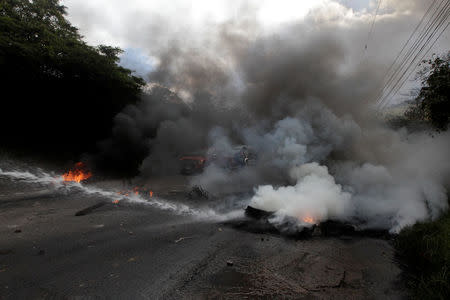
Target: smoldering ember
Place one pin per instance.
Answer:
(224, 149)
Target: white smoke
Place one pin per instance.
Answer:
(378, 177)
(56, 184)
(315, 195)
(316, 164)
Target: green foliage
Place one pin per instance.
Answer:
(433, 102)
(426, 247)
(55, 78)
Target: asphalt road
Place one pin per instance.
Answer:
(138, 251)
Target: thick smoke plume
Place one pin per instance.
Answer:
(299, 97)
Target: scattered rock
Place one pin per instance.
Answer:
(41, 252)
(17, 231)
(230, 263)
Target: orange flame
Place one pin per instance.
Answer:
(151, 194)
(116, 201)
(78, 174)
(136, 190)
(309, 220)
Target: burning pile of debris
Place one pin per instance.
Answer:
(261, 221)
(79, 173)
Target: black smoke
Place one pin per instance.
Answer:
(301, 97)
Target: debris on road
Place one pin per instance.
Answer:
(17, 231)
(256, 213)
(230, 263)
(197, 193)
(89, 209)
(183, 238)
(262, 223)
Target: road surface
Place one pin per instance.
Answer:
(138, 251)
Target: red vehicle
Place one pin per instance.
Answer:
(236, 158)
(192, 164)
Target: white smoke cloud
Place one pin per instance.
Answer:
(380, 178)
(315, 195)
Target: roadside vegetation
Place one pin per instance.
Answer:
(59, 95)
(425, 247)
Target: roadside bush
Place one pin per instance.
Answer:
(426, 249)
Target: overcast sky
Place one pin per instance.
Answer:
(112, 21)
(146, 28)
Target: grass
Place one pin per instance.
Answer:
(426, 249)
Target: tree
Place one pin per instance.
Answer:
(58, 91)
(433, 101)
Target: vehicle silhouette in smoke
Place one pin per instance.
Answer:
(192, 164)
(238, 157)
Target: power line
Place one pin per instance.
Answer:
(438, 17)
(396, 86)
(373, 24)
(422, 35)
(409, 39)
(421, 59)
(385, 76)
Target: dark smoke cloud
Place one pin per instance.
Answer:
(300, 96)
